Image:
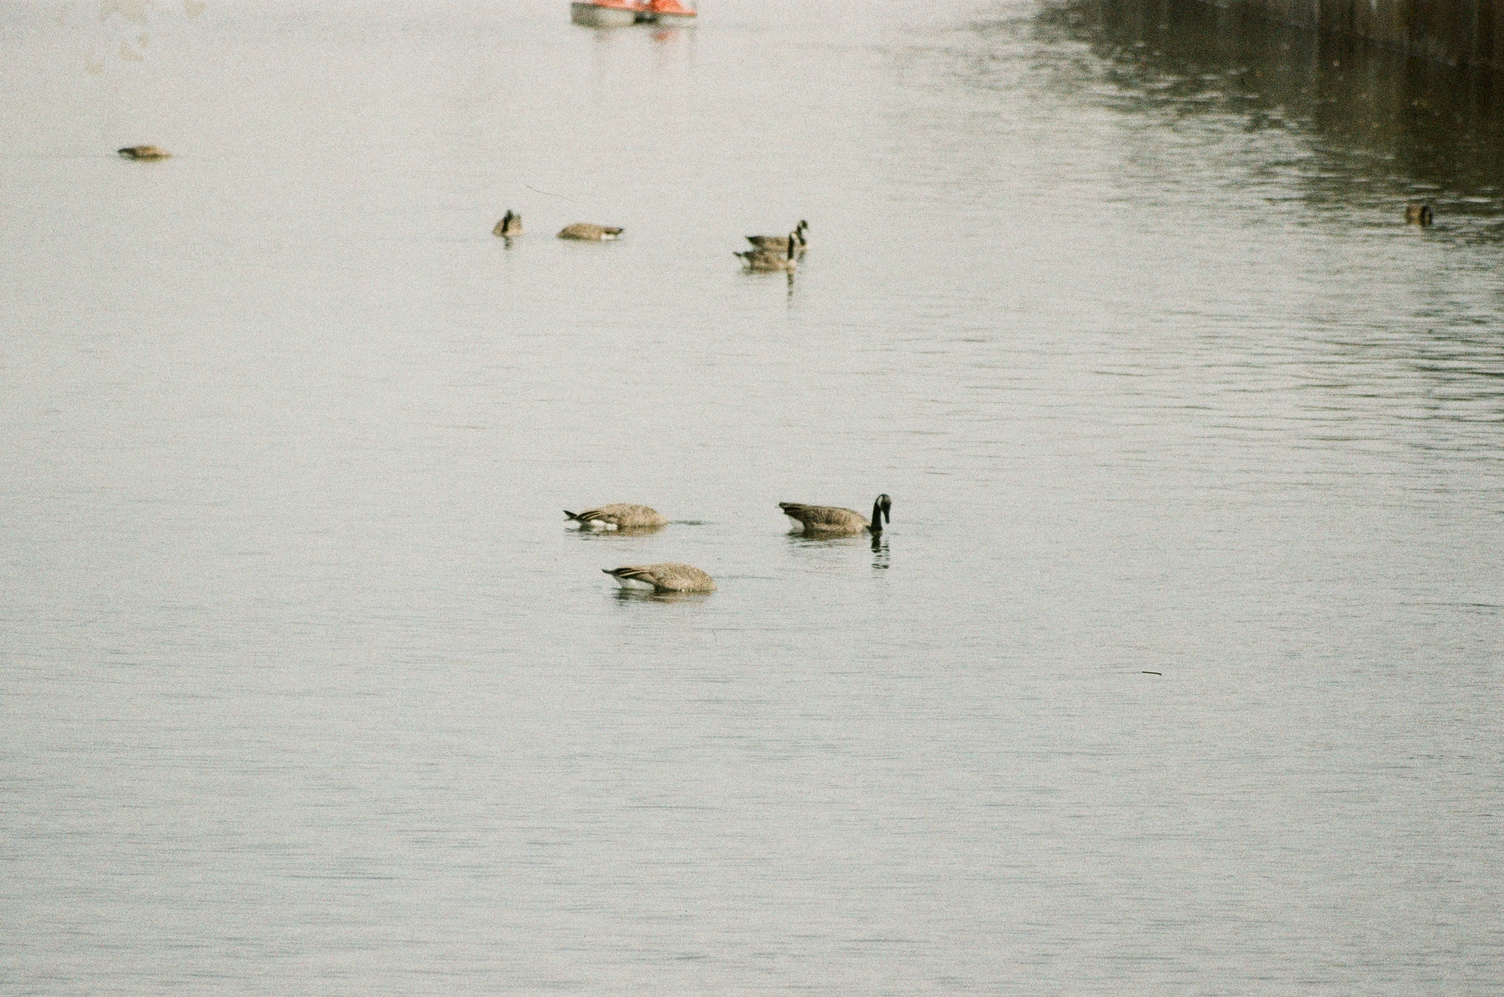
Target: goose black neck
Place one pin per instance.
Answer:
(877, 517)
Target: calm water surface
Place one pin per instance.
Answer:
(306, 688)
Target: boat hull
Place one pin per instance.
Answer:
(593, 15)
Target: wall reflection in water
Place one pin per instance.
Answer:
(1395, 332)
(1387, 126)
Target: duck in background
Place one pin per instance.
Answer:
(772, 261)
(776, 242)
(509, 225)
(663, 578)
(619, 516)
(587, 232)
(834, 520)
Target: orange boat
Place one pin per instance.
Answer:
(607, 13)
(620, 13)
(670, 13)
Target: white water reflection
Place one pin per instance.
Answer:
(115, 33)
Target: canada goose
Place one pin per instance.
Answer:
(144, 152)
(776, 242)
(587, 231)
(618, 516)
(830, 519)
(663, 578)
(509, 225)
(1417, 214)
(770, 261)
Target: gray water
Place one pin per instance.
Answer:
(1179, 670)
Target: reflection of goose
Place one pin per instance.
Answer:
(1418, 214)
(663, 578)
(775, 242)
(144, 152)
(587, 231)
(509, 225)
(832, 519)
(770, 260)
(618, 516)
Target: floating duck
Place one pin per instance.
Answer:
(619, 516)
(589, 232)
(835, 520)
(668, 577)
(771, 261)
(509, 225)
(776, 242)
(1418, 214)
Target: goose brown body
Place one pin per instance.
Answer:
(619, 515)
(771, 261)
(509, 225)
(835, 519)
(667, 577)
(589, 232)
(144, 152)
(777, 242)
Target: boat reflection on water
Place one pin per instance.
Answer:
(622, 13)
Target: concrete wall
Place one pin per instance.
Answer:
(1459, 32)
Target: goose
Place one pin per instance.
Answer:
(618, 516)
(509, 225)
(770, 261)
(589, 232)
(144, 152)
(831, 519)
(663, 577)
(1418, 214)
(776, 242)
